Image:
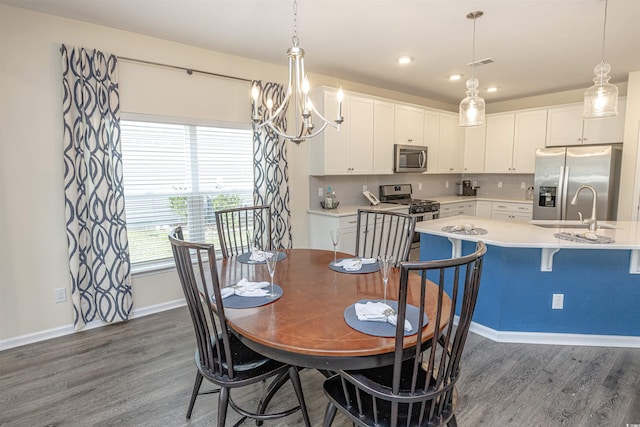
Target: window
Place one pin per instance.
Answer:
(180, 174)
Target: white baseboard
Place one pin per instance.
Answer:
(68, 329)
(555, 338)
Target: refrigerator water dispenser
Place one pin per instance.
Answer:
(547, 197)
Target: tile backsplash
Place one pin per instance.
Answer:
(348, 188)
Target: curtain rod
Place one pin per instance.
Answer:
(188, 70)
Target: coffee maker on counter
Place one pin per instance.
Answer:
(465, 189)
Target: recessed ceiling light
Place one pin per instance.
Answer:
(454, 77)
(492, 89)
(404, 60)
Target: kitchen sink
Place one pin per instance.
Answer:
(551, 223)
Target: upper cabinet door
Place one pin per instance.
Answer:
(474, 148)
(530, 134)
(564, 125)
(431, 139)
(451, 144)
(499, 145)
(409, 124)
(383, 134)
(606, 131)
(360, 135)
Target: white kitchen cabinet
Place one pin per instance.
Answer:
(529, 135)
(383, 135)
(512, 211)
(474, 149)
(565, 126)
(409, 125)
(499, 143)
(349, 151)
(512, 140)
(483, 208)
(431, 139)
(320, 227)
(457, 208)
(450, 144)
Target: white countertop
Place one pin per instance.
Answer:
(521, 234)
(455, 199)
(353, 209)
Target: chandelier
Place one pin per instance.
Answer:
(472, 107)
(298, 96)
(601, 99)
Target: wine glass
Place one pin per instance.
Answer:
(385, 262)
(250, 241)
(271, 258)
(335, 239)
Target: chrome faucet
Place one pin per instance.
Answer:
(593, 222)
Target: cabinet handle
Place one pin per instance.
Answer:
(410, 140)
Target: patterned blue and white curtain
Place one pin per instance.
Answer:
(271, 171)
(94, 197)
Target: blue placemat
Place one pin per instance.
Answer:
(245, 258)
(384, 329)
(366, 268)
(235, 301)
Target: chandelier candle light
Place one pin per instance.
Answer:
(298, 90)
(601, 99)
(472, 107)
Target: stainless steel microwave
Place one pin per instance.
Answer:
(409, 158)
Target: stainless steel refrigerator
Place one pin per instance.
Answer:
(560, 171)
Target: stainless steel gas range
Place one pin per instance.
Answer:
(423, 210)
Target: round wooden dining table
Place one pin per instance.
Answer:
(305, 326)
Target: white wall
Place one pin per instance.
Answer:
(33, 250)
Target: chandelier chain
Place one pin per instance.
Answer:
(295, 24)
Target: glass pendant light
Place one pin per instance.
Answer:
(472, 107)
(601, 99)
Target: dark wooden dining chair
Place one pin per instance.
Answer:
(233, 225)
(221, 358)
(419, 388)
(384, 233)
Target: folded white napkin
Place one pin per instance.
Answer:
(245, 288)
(259, 256)
(354, 264)
(374, 312)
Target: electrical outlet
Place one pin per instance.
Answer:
(499, 184)
(59, 295)
(523, 185)
(557, 303)
(320, 192)
(364, 188)
(419, 186)
(446, 184)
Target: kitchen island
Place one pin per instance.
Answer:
(526, 265)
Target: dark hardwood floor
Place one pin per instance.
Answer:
(140, 373)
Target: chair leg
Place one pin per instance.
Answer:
(271, 391)
(297, 386)
(329, 414)
(194, 393)
(223, 403)
(452, 422)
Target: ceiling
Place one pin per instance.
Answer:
(539, 46)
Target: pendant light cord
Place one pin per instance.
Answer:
(604, 27)
(473, 51)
